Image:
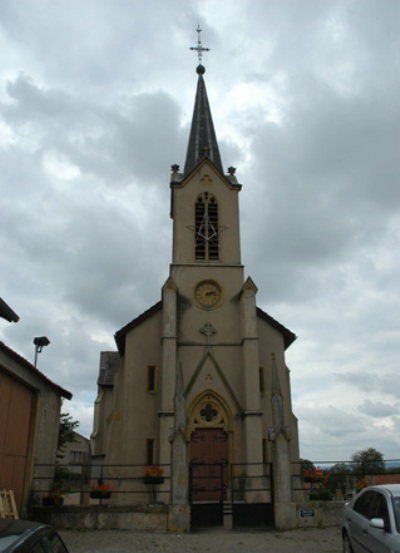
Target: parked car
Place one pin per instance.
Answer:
(24, 536)
(371, 521)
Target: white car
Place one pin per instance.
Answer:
(371, 521)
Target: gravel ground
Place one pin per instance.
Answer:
(326, 540)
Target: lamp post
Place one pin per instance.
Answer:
(40, 342)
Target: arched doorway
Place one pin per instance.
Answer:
(209, 449)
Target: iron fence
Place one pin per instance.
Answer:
(100, 481)
(235, 483)
(341, 480)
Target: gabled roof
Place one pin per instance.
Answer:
(179, 179)
(288, 336)
(202, 139)
(32, 369)
(7, 313)
(120, 335)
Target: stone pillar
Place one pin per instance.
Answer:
(168, 369)
(179, 519)
(179, 512)
(252, 413)
(284, 508)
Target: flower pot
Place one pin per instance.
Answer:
(52, 501)
(97, 494)
(153, 480)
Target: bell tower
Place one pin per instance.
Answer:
(204, 201)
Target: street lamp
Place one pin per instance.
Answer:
(40, 342)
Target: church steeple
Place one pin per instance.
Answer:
(202, 140)
(204, 201)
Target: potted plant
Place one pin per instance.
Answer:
(361, 484)
(153, 475)
(315, 475)
(100, 490)
(55, 497)
(318, 483)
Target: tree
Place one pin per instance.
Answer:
(339, 474)
(340, 468)
(306, 464)
(66, 434)
(368, 461)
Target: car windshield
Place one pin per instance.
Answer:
(396, 510)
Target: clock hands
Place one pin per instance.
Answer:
(207, 293)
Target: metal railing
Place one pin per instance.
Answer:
(235, 483)
(105, 479)
(341, 480)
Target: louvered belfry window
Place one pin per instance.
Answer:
(206, 223)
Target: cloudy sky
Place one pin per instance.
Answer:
(96, 98)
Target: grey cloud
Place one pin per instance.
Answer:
(114, 143)
(378, 409)
(373, 381)
(94, 108)
(339, 433)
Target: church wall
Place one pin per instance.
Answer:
(271, 343)
(294, 442)
(192, 318)
(220, 371)
(103, 408)
(135, 415)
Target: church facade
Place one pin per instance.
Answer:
(199, 385)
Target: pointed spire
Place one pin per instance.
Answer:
(202, 140)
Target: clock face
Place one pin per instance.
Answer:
(208, 293)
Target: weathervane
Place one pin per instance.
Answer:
(199, 48)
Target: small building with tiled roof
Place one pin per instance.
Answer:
(30, 405)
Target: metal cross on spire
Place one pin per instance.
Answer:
(199, 48)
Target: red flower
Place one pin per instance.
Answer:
(317, 475)
(100, 487)
(153, 471)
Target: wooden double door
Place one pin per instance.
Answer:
(209, 464)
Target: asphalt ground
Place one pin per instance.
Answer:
(316, 540)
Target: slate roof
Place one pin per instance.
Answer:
(202, 138)
(119, 336)
(31, 368)
(287, 334)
